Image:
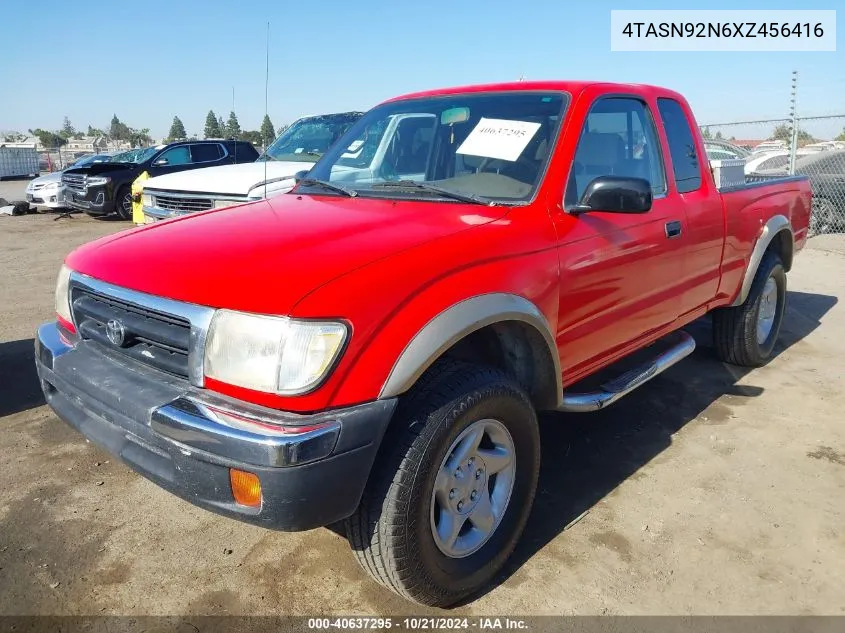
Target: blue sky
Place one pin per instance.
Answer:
(148, 61)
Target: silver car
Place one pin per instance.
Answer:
(48, 190)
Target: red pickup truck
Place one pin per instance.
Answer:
(373, 347)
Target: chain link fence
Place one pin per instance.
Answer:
(767, 148)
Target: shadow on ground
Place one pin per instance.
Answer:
(19, 386)
(585, 457)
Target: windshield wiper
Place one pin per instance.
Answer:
(448, 193)
(325, 184)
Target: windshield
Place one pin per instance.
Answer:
(92, 158)
(309, 138)
(135, 156)
(488, 147)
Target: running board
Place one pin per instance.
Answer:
(615, 389)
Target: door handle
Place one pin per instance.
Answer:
(673, 229)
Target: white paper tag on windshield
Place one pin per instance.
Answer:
(499, 138)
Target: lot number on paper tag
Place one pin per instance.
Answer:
(498, 138)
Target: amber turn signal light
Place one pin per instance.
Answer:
(246, 488)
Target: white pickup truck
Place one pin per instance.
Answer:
(296, 149)
(289, 157)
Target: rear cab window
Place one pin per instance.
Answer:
(206, 152)
(685, 160)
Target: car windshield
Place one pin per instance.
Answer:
(309, 138)
(92, 158)
(481, 147)
(135, 156)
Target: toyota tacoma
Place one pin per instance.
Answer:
(374, 346)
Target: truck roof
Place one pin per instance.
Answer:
(572, 87)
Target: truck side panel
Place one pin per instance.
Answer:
(747, 209)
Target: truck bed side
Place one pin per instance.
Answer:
(749, 209)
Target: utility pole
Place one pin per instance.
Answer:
(793, 114)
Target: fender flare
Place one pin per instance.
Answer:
(775, 226)
(457, 322)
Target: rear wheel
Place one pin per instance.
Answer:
(746, 334)
(451, 492)
(123, 203)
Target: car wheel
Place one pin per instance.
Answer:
(746, 334)
(123, 203)
(823, 217)
(450, 495)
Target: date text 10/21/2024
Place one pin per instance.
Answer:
(418, 623)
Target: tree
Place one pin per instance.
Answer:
(253, 136)
(841, 137)
(222, 127)
(118, 131)
(268, 133)
(783, 133)
(212, 126)
(138, 138)
(233, 128)
(177, 130)
(718, 135)
(67, 130)
(49, 139)
(706, 133)
(94, 131)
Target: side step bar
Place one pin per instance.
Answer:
(615, 389)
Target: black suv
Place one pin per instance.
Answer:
(103, 188)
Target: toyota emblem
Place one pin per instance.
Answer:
(116, 332)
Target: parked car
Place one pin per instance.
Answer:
(826, 171)
(296, 149)
(724, 150)
(768, 146)
(49, 191)
(374, 347)
(103, 188)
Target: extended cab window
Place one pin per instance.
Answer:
(618, 139)
(206, 152)
(681, 145)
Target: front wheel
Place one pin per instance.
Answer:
(450, 495)
(746, 334)
(123, 203)
(823, 218)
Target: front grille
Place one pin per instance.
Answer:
(74, 181)
(182, 205)
(150, 337)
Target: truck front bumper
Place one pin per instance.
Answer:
(312, 468)
(93, 201)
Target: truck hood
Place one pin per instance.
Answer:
(102, 168)
(226, 179)
(265, 256)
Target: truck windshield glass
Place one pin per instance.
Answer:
(135, 156)
(309, 138)
(493, 147)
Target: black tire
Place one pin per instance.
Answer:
(123, 203)
(823, 218)
(735, 329)
(391, 532)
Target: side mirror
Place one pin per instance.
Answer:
(300, 175)
(615, 194)
(162, 161)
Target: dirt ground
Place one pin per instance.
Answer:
(712, 490)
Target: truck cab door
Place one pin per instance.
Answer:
(618, 271)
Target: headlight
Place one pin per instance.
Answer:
(271, 354)
(51, 185)
(63, 295)
(146, 200)
(97, 180)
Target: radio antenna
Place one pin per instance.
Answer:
(266, 101)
